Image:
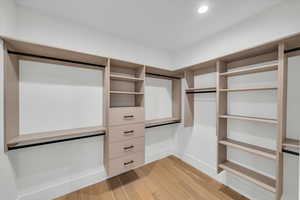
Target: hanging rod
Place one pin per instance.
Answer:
(292, 50)
(196, 92)
(172, 77)
(163, 124)
(52, 58)
(290, 152)
(54, 141)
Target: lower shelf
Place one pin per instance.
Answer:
(161, 122)
(291, 143)
(26, 139)
(266, 182)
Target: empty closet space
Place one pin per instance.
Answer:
(136, 100)
(50, 98)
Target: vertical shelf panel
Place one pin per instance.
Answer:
(176, 98)
(221, 110)
(281, 115)
(11, 97)
(189, 100)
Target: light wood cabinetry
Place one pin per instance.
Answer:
(124, 145)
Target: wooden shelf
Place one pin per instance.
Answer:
(264, 68)
(291, 143)
(51, 135)
(250, 148)
(125, 78)
(209, 89)
(128, 93)
(163, 121)
(247, 89)
(257, 119)
(266, 182)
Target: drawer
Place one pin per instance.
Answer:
(126, 115)
(125, 132)
(127, 147)
(123, 164)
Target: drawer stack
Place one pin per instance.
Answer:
(124, 145)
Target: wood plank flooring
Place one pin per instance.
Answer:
(165, 179)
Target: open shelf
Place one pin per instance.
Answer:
(264, 68)
(257, 119)
(125, 78)
(247, 89)
(163, 121)
(264, 181)
(201, 90)
(51, 135)
(128, 93)
(250, 148)
(291, 143)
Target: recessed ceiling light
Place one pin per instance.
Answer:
(202, 9)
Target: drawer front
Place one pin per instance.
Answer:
(123, 164)
(128, 147)
(126, 115)
(126, 132)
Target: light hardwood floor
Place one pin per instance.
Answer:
(165, 179)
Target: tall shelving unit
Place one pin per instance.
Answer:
(268, 183)
(124, 146)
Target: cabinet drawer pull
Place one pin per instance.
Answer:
(128, 116)
(128, 163)
(128, 132)
(128, 148)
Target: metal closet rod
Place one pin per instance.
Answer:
(290, 152)
(291, 50)
(52, 58)
(172, 77)
(197, 92)
(54, 141)
(168, 123)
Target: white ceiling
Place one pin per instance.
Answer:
(165, 24)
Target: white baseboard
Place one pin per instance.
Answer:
(64, 187)
(72, 184)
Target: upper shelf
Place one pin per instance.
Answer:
(250, 148)
(257, 119)
(247, 89)
(264, 68)
(291, 143)
(200, 90)
(51, 135)
(125, 92)
(125, 78)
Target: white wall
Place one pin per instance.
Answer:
(7, 18)
(277, 22)
(37, 27)
(197, 145)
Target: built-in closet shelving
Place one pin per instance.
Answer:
(15, 51)
(268, 183)
(227, 67)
